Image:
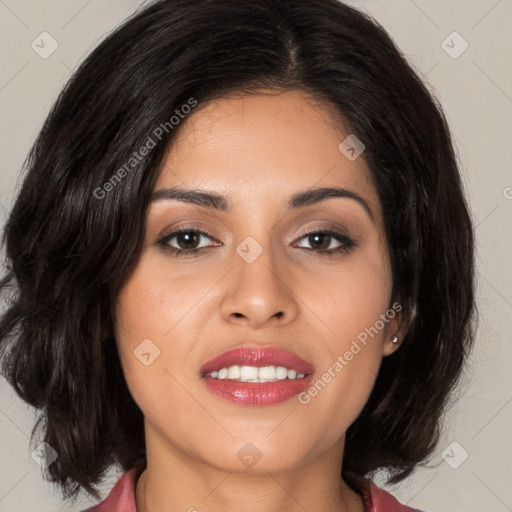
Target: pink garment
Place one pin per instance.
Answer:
(122, 497)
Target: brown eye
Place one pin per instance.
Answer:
(322, 242)
(186, 241)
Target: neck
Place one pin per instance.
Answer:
(172, 481)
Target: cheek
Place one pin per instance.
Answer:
(157, 324)
(148, 311)
(140, 329)
(350, 297)
(145, 335)
(351, 301)
(155, 305)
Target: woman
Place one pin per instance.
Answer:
(241, 263)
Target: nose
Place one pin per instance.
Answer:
(259, 292)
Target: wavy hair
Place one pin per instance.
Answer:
(69, 251)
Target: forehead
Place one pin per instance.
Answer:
(260, 146)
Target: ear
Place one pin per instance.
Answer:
(396, 329)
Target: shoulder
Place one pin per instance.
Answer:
(378, 500)
(121, 497)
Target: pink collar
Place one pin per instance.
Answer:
(376, 499)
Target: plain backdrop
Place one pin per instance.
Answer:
(463, 50)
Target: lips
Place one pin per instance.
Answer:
(257, 394)
(257, 356)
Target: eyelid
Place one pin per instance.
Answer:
(190, 225)
(326, 226)
(170, 234)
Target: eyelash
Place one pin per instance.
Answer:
(347, 244)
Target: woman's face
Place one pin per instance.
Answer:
(257, 282)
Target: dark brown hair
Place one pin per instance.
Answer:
(68, 250)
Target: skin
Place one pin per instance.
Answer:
(259, 150)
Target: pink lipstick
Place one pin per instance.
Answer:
(257, 375)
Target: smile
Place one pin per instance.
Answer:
(257, 376)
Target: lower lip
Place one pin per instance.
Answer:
(257, 393)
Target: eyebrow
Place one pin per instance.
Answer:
(219, 202)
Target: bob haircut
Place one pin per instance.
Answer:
(72, 240)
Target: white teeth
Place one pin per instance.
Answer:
(281, 372)
(234, 372)
(267, 372)
(292, 374)
(256, 374)
(248, 373)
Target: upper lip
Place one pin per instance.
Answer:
(250, 355)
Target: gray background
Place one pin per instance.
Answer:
(475, 89)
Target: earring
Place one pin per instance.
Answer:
(395, 340)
